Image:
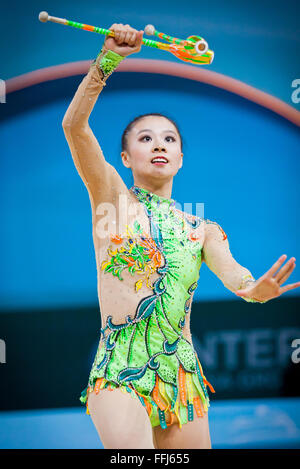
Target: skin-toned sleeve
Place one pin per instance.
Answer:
(100, 178)
(218, 258)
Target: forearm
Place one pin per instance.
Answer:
(239, 278)
(83, 102)
(236, 277)
(219, 259)
(99, 177)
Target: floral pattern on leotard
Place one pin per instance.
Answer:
(139, 255)
(148, 351)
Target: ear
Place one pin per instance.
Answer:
(125, 159)
(181, 160)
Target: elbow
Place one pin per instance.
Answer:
(65, 125)
(66, 122)
(66, 128)
(69, 125)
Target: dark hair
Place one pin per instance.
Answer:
(136, 119)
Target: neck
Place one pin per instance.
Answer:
(162, 189)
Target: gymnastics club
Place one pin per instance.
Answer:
(194, 49)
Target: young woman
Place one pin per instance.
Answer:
(148, 256)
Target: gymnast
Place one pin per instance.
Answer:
(146, 387)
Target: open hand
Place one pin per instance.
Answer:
(268, 286)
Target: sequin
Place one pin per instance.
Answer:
(148, 355)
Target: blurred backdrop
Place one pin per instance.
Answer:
(241, 162)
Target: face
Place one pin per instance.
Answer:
(151, 137)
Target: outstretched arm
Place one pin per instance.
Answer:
(238, 279)
(218, 258)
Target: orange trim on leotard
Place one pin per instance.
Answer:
(182, 389)
(98, 384)
(148, 406)
(204, 379)
(198, 406)
(208, 384)
(171, 420)
(162, 405)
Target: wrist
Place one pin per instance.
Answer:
(246, 281)
(96, 74)
(106, 62)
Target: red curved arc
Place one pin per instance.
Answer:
(162, 67)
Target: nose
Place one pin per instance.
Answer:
(159, 148)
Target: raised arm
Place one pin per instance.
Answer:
(100, 178)
(217, 256)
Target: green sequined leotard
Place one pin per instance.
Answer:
(147, 355)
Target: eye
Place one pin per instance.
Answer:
(147, 136)
(170, 136)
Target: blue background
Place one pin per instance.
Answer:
(240, 160)
(255, 42)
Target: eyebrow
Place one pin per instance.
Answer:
(149, 130)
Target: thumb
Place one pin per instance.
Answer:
(241, 292)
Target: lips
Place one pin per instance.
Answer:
(159, 160)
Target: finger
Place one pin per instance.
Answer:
(113, 27)
(276, 266)
(117, 33)
(127, 30)
(121, 36)
(140, 37)
(131, 38)
(118, 29)
(287, 273)
(128, 38)
(281, 272)
(291, 286)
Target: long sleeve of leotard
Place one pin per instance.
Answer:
(218, 257)
(100, 178)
